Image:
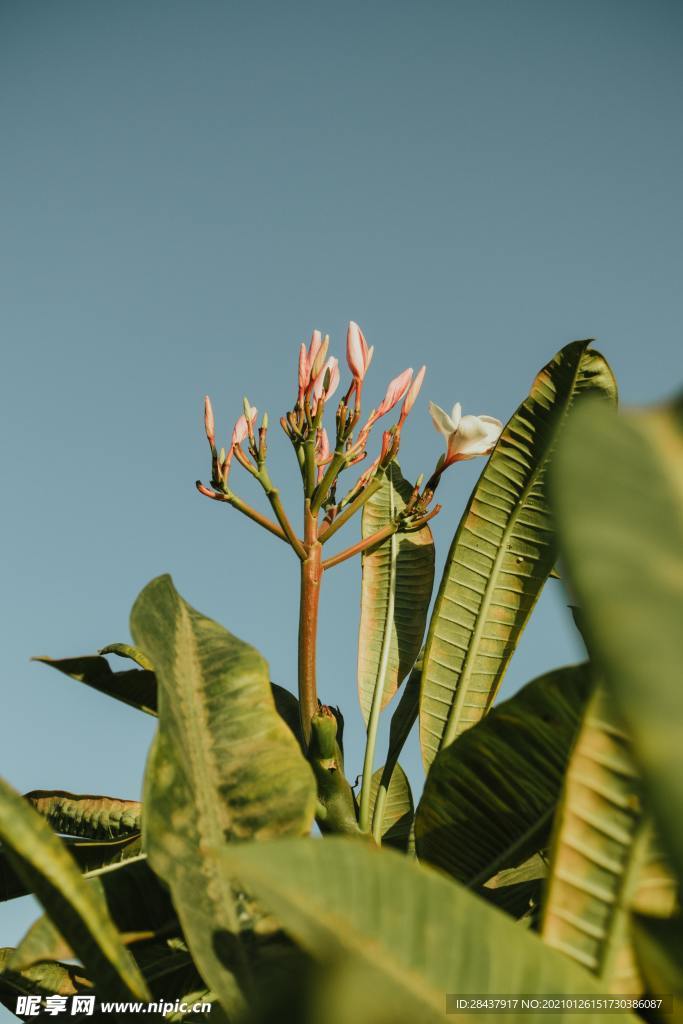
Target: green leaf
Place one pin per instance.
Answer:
(79, 906)
(92, 817)
(417, 933)
(92, 856)
(223, 767)
(489, 798)
(287, 707)
(601, 854)
(397, 810)
(111, 829)
(402, 721)
(397, 581)
(517, 891)
(44, 979)
(126, 651)
(136, 687)
(618, 499)
(139, 906)
(659, 949)
(502, 554)
(173, 977)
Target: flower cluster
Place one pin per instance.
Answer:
(321, 464)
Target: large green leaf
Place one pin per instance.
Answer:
(80, 907)
(489, 798)
(136, 686)
(619, 506)
(223, 767)
(418, 934)
(92, 817)
(397, 581)
(502, 554)
(601, 855)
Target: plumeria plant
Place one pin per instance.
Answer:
(325, 511)
(545, 854)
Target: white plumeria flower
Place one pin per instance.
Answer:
(466, 436)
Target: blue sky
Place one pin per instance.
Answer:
(190, 188)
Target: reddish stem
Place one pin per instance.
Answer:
(311, 577)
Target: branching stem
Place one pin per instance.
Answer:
(273, 495)
(245, 509)
(362, 545)
(354, 507)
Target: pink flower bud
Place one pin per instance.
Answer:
(307, 361)
(358, 355)
(322, 447)
(209, 424)
(241, 430)
(369, 472)
(332, 365)
(313, 349)
(413, 392)
(317, 363)
(395, 392)
(303, 369)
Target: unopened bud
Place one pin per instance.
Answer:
(303, 368)
(264, 422)
(413, 392)
(319, 361)
(395, 392)
(209, 424)
(248, 411)
(324, 735)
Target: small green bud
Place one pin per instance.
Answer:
(324, 735)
